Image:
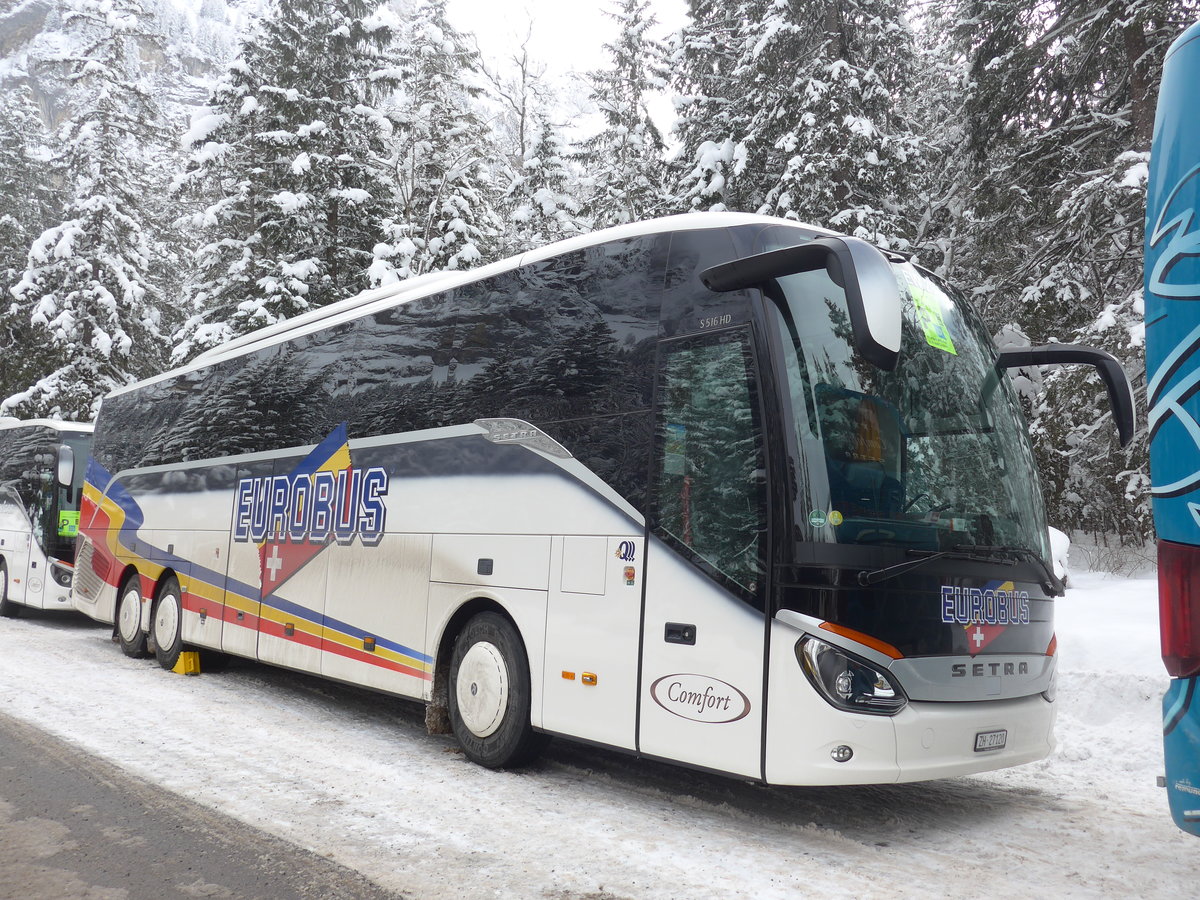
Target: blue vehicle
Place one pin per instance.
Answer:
(1173, 394)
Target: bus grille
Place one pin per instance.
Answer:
(87, 581)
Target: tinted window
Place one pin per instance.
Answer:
(688, 306)
(564, 338)
(27, 460)
(710, 486)
(555, 342)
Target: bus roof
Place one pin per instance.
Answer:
(7, 423)
(424, 285)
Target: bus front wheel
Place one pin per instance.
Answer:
(490, 694)
(167, 625)
(8, 608)
(129, 619)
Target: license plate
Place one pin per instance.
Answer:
(990, 740)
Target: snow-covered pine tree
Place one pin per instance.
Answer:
(702, 59)
(520, 91)
(939, 184)
(1059, 113)
(540, 206)
(288, 152)
(89, 290)
(624, 162)
(820, 129)
(444, 207)
(28, 204)
(834, 102)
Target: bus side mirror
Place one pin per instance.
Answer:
(873, 297)
(66, 465)
(1120, 393)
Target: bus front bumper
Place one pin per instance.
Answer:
(924, 741)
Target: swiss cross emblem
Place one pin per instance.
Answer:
(980, 635)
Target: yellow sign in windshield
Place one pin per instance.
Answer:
(68, 523)
(929, 314)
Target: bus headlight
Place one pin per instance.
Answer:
(848, 682)
(60, 573)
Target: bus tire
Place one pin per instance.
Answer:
(128, 623)
(8, 608)
(490, 696)
(166, 625)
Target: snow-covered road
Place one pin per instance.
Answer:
(354, 776)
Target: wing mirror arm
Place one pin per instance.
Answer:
(1120, 393)
(873, 297)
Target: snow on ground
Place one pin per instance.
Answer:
(354, 776)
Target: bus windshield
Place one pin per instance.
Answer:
(62, 520)
(931, 456)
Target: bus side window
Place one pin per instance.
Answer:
(710, 489)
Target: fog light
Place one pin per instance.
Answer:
(841, 753)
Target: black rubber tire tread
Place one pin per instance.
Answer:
(10, 609)
(168, 656)
(135, 649)
(514, 743)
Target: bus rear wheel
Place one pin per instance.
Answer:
(8, 608)
(490, 695)
(129, 619)
(166, 627)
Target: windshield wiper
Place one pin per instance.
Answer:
(927, 556)
(1053, 584)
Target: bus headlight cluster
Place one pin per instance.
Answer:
(846, 681)
(61, 574)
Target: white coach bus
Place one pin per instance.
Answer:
(716, 489)
(40, 487)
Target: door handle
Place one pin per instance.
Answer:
(678, 633)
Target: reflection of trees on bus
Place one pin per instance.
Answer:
(921, 444)
(709, 494)
(567, 345)
(29, 494)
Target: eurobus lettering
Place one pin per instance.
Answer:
(40, 487)
(312, 507)
(719, 489)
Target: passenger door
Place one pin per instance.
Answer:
(702, 659)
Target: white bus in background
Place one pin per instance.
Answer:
(718, 489)
(40, 487)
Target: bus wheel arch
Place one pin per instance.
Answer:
(166, 620)
(437, 713)
(489, 692)
(127, 617)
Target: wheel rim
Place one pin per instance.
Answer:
(482, 689)
(129, 616)
(166, 621)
